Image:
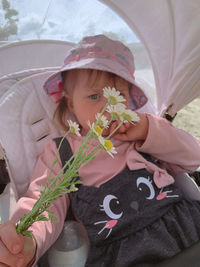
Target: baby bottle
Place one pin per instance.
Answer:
(71, 247)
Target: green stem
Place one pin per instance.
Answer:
(115, 130)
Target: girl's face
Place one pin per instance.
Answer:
(85, 94)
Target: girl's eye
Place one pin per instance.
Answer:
(94, 96)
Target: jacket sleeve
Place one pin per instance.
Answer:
(176, 150)
(45, 233)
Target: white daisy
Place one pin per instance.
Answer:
(74, 127)
(96, 129)
(102, 120)
(129, 115)
(107, 146)
(113, 95)
(116, 111)
(73, 188)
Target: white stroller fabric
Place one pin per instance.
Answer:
(7, 81)
(28, 58)
(26, 114)
(31, 55)
(170, 32)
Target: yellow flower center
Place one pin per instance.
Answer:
(98, 129)
(108, 145)
(101, 122)
(126, 116)
(73, 129)
(113, 100)
(115, 116)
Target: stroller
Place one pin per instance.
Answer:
(175, 59)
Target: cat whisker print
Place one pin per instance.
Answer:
(111, 207)
(109, 225)
(165, 194)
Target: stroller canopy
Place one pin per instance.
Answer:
(170, 31)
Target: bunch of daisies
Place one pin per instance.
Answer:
(66, 180)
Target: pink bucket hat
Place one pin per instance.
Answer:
(100, 53)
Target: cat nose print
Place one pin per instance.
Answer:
(134, 205)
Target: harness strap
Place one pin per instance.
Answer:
(65, 154)
(65, 150)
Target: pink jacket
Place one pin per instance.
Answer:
(176, 150)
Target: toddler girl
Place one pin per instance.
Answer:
(133, 214)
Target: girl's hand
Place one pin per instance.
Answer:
(131, 132)
(15, 250)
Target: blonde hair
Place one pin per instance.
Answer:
(62, 112)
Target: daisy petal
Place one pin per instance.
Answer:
(74, 127)
(107, 146)
(129, 115)
(116, 111)
(102, 120)
(113, 95)
(96, 129)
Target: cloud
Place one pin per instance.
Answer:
(68, 20)
(29, 25)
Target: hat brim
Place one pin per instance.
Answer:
(137, 96)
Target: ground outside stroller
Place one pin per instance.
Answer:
(170, 32)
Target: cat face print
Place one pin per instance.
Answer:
(128, 201)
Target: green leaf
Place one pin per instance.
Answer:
(54, 162)
(78, 182)
(42, 218)
(27, 233)
(52, 218)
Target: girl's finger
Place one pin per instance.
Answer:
(113, 126)
(127, 124)
(122, 129)
(8, 259)
(10, 238)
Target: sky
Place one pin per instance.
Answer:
(66, 20)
